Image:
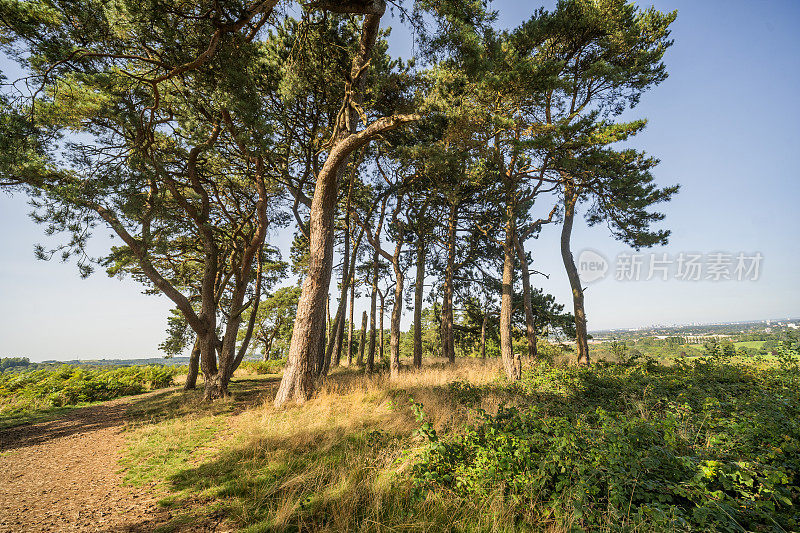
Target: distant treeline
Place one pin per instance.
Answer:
(13, 362)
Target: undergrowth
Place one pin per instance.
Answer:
(703, 446)
(26, 396)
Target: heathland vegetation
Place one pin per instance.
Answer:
(195, 132)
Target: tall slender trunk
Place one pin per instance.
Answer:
(360, 360)
(394, 334)
(350, 324)
(381, 341)
(348, 283)
(335, 347)
(337, 351)
(570, 199)
(530, 330)
(372, 310)
(419, 285)
(251, 322)
(194, 366)
(511, 360)
(483, 333)
(448, 343)
(324, 363)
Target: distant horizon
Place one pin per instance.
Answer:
(184, 356)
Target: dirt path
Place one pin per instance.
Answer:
(63, 475)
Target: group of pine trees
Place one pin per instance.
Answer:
(195, 131)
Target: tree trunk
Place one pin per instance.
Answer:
(194, 366)
(372, 312)
(360, 360)
(351, 324)
(419, 285)
(383, 307)
(483, 334)
(309, 326)
(582, 344)
(511, 361)
(213, 387)
(324, 354)
(448, 343)
(394, 334)
(530, 330)
(335, 347)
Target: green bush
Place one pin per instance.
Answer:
(702, 446)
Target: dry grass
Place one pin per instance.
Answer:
(337, 463)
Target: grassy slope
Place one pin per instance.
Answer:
(344, 461)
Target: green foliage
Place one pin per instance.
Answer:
(71, 385)
(703, 446)
(273, 366)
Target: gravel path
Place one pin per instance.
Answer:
(63, 475)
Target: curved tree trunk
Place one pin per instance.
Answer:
(309, 326)
(297, 383)
(582, 344)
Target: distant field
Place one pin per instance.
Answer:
(756, 345)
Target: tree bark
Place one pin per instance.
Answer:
(511, 361)
(298, 380)
(194, 366)
(448, 343)
(419, 285)
(582, 344)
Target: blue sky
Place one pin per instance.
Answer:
(725, 125)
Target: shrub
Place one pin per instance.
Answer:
(70, 385)
(708, 446)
